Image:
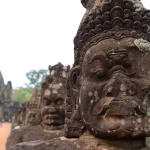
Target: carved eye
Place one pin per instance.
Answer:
(45, 102)
(99, 73)
(59, 101)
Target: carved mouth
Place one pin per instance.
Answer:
(117, 108)
(51, 116)
(51, 119)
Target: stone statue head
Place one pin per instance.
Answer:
(33, 115)
(54, 97)
(109, 84)
(19, 118)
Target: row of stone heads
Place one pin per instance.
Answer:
(108, 87)
(46, 102)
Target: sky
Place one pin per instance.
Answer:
(37, 33)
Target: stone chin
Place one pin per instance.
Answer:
(119, 133)
(52, 122)
(119, 120)
(118, 127)
(53, 119)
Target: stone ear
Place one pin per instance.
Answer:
(84, 3)
(74, 78)
(73, 123)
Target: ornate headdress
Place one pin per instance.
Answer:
(111, 18)
(103, 19)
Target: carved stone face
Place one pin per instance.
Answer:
(53, 111)
(32, 116)
(114, 95)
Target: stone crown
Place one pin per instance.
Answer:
(133, 20)
(59, 70)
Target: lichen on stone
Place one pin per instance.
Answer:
(143, 45)
(138, 5)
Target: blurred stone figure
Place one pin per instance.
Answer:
(8, 107)
(108, 104)
(54, 97)
(52, 108)
(6, 102)
(32, 115)
(19, 118)
(28, 114)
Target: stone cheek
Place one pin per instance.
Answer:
(47, 92)
(146, 120)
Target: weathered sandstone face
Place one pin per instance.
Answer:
(109, 84)
(114, 99)
(54, 97)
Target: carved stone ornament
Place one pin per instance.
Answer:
(19, 118)
(30, 112)
(33, 115)
(53, 97)
(108, 88)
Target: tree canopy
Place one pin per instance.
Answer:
(21, 94)
(36, 78)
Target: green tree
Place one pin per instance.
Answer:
(21, 94)
(36, 78)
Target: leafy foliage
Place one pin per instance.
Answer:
(21, 94)
(36, 78)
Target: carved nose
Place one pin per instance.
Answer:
(123, 87)
(52, 110)
(111, 92)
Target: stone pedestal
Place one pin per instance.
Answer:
(85, 142)
(29, 133)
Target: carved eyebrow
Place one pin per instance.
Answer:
(97, 56)
(117, 52)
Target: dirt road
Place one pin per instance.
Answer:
(4, 133)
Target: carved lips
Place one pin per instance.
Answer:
(51, 118)
(115, 107)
